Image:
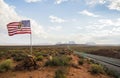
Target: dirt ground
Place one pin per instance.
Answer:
(49, 72)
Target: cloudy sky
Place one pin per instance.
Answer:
(55, 21)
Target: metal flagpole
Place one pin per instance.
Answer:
(31, 43)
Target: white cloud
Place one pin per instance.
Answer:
(110, 22)
(105, 27)
(102, 1)
(94, 2)
(74, 20)
(60, 1)
(85, 12)
(55, 19)
(114, 4)
(79, 27)
(106, 22)
(7, 15)
(103, 31)
(111, 4)
(56, 28)
(31, 1)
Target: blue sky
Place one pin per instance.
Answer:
(55, 21)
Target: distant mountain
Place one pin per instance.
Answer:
(90, 43)
(71, 42)
(58, 43)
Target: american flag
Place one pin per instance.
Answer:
(22, 27)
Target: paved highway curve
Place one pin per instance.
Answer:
(110, 63)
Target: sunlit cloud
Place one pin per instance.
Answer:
(111, 4)
(32, 1)
(55, 19)
(114, 5)
(56, 28)
(85, 12)
(60, 1)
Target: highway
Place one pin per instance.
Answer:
(111, 63)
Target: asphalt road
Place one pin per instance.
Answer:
(111, 63)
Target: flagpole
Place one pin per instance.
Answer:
(30, 40)
(31, 43)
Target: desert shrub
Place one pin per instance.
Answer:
(96, 69)
(90, 61)
(4, 54)
(58, 61)
(39, 58)
(13, 55)
(6, 65)
(37, 53)
(41, 53)
(60, 74)
(19, 57)
(81, 57)
(1, 54)
(81, 61)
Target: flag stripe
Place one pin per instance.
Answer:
(21, 30)
(19, 33)
(13, 33)
(13, 24)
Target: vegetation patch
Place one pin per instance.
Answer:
(19, 57)
(96, 69)
(59, 61)
(81, 61)
(90, 61)
(60, 74)
(6, 65)
(39, 58)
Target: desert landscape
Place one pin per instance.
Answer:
(48, 62)
(59, 38)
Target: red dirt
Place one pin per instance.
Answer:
(49, 72)
(83, 73)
